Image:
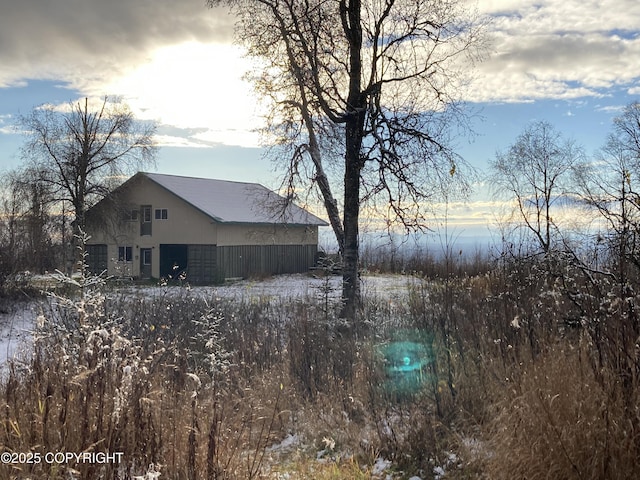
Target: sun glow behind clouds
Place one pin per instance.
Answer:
(195, 85)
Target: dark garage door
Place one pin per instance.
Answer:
(96, 258)
(173, 261)
(196, 262)
(202, 264)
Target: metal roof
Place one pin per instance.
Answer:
(234, 202)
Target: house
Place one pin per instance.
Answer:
(204, 230)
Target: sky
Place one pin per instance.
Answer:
(573, 63)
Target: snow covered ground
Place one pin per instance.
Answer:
(16, 323)
(296, 286)
(17, 318)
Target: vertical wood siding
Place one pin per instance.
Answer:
(202, 264)
(255, 260)
(97, 258)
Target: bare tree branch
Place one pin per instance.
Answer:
(79, 153)
(373, 83)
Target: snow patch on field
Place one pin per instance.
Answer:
(295, 286)
(16, 326)
(17, 318)
(288, 442)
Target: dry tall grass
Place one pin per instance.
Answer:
(532, 373)
(560, 421)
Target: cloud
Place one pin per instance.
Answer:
(174, 61)
(194, 85)
(560, 49)
(6, 125)
(173, 141)
(83, 41)
(612, 109)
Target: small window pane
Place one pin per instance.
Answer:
(125, 254)
(131, 215)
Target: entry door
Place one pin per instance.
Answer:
(145, 263)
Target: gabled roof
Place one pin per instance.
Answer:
(233, 202)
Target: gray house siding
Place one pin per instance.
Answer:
(252, 260)
(202, 265)
(206, 264)
(194, 263)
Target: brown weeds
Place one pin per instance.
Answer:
(530, 375)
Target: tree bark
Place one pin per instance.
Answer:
(350, 278)
(354, 125)
(330, 204)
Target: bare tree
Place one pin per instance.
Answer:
(79, 152)
(25, 222)
(627, 130)
(363, 95)
(610, 187)
(535, 173)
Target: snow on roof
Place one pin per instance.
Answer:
(234, 202)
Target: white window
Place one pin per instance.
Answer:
(162, 214)
(146, 213)
(125, 254)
